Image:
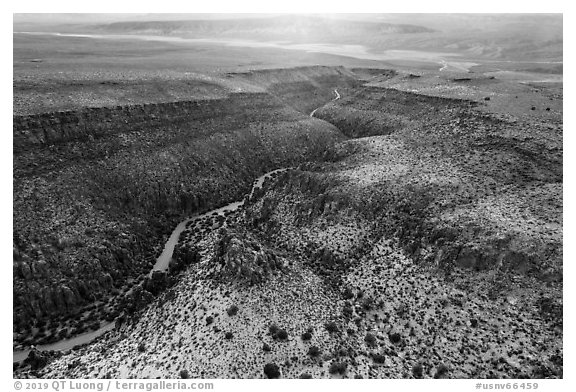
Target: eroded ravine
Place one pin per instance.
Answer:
(335, 99)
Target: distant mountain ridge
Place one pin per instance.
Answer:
(494, 37)
(285, 28)
(509, 37)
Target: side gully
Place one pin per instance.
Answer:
(335, 99)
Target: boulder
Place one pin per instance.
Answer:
(156, 283)
(67, 294)
(244, 259)
(37, 359)
(25, 271)
(469, 258)
(40, 268)
(105, 280)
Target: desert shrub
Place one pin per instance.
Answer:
(209, 320)
(305, 376)
(418, 370)
(402, 310)
(378, 358)
(344, 352)
(331, 327)
(338, 368)
(314, 351)
(228, 335)
(367, 303)
(395, 337)
(232, 310)
(273, 329)
(348, 294)
(348, 311)
(184, 374)
(282, 334)
(141, 347)
(550, 309)
(441, 371)
(266, 347)
(306, 336)
(271, 370)
(370, 339)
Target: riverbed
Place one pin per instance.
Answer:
(162, 263)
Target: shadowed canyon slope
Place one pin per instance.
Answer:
(96, 189)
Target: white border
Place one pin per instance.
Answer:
(299, 6)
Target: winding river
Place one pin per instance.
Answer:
(162, 263)
(164, 259)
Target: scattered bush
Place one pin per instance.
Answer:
(314, 351)
(395, 337)
(338, 368)
(266, 347)
(141, 347)
(331, 327)
(348, 311)
(273, 329)
(348, 294)
(305, 376)
(378, 358)
(402, 310)
(232, 310)
(209, 320)
(271, 370)
(228, 335)
(370, 339)
(282, 334)
(306, 336)
(441, 371)
(367, 303)
(184, 374)
(418, 370)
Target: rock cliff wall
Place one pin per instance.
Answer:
(97, 190)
